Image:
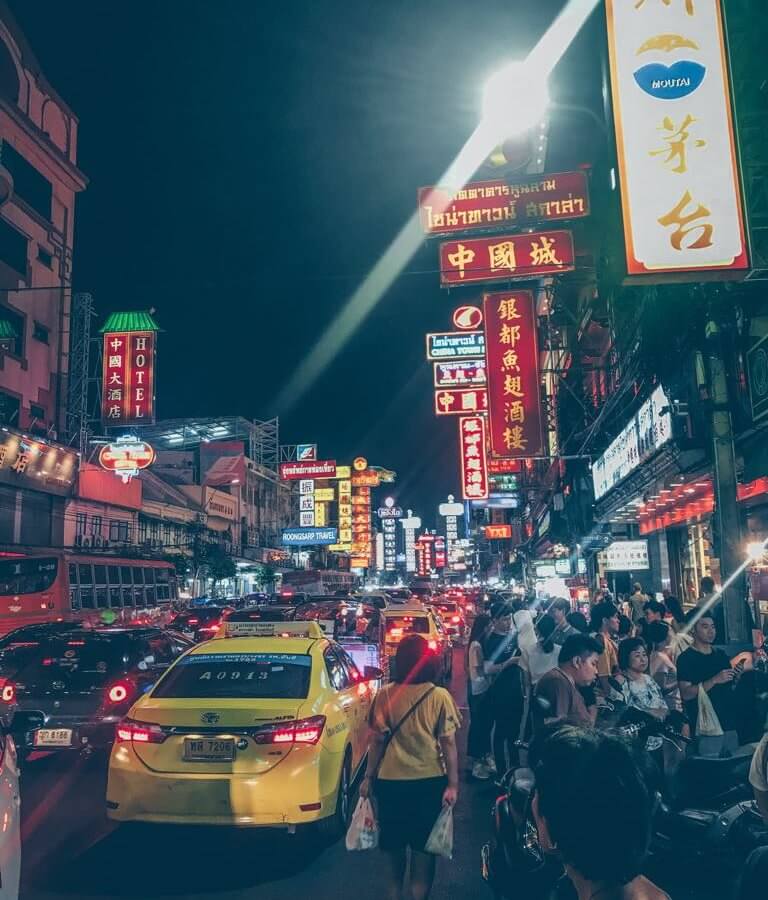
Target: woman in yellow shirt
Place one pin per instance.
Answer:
(413, 768)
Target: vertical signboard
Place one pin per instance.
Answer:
(474, 473)
(128, 378)
(411, 525)
(514, 392)
(674, 133)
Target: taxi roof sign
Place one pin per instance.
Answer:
(273, 629)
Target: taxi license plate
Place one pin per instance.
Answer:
(208, 749)
(53, 737)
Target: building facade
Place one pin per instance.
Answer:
(39, 181)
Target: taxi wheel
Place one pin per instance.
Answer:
(333, 827)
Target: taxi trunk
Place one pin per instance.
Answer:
(200, 737)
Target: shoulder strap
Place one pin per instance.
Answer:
(393, 732)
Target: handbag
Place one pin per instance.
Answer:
(707, 724)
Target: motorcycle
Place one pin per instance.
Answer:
(514, 865)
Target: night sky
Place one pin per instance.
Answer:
(249, 162)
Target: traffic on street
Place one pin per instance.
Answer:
(383, 458)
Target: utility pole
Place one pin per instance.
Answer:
(727, 520)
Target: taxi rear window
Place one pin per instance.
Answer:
(408, 624)
(266, 676)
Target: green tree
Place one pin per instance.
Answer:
(216, 563)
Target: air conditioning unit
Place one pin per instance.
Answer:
(105, 542)
(86, 542)
(98, 541)
(78, 540)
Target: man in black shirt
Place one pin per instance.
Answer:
(704, 665)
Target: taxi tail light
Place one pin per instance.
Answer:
(130, 731)
(301, 731)
(456, 619)
(7, 690)
(432, 645)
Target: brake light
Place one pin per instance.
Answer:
(139, 732)
(119, 691)
(432, 645)
(75, 643)
(193, 621)
(9, 692)
(456, 619)
(302, 731)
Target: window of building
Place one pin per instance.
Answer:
(120, 531)
(14, 322)
(96, 526)
(154, 531)
(9, 409)
(166, 534)
(44, 257)
(28, 184)
(37, 412)
(142, 530)
(41, 333)
(80, 522)
(9, 77)
(13, 248)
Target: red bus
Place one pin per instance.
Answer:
(57, 585)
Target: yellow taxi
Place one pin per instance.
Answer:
(415, 618)
(265, 728)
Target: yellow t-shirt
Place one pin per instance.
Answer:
(414, 752)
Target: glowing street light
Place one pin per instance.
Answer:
(515, 100)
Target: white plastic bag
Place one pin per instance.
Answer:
(707, 723)
(363, 832)
(440, 841)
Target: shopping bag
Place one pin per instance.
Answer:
(363, 832)
(707, 723)
(440, 841)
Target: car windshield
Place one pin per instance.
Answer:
(408, 624)
(27, 576)
(275, 676)
(78, 659)
(446, 606)
(261, 615)
(197, 616)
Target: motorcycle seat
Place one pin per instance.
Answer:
(524, 780)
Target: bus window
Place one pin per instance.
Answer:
(27, 576)
(102, 601)
(86, 574)
(114, 597)
(113, 574)
(149, 576)
(163, 593)
(138, 596)
(74, 600)
(151, 601)
(125, 574)
(138, 575)
(72, 574)
(127, 596)
(100, 574)
(86, 597)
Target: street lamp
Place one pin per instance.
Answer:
(515, 99)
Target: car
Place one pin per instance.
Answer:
(261, 614)
(249, 731)
(399, 595)
(415, 618)
(10, 802)
(452, 616)
(199, 624)
(343, 617)
(81, 680)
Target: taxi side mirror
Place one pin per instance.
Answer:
(371, 673)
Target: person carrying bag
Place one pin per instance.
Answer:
(412, 771)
